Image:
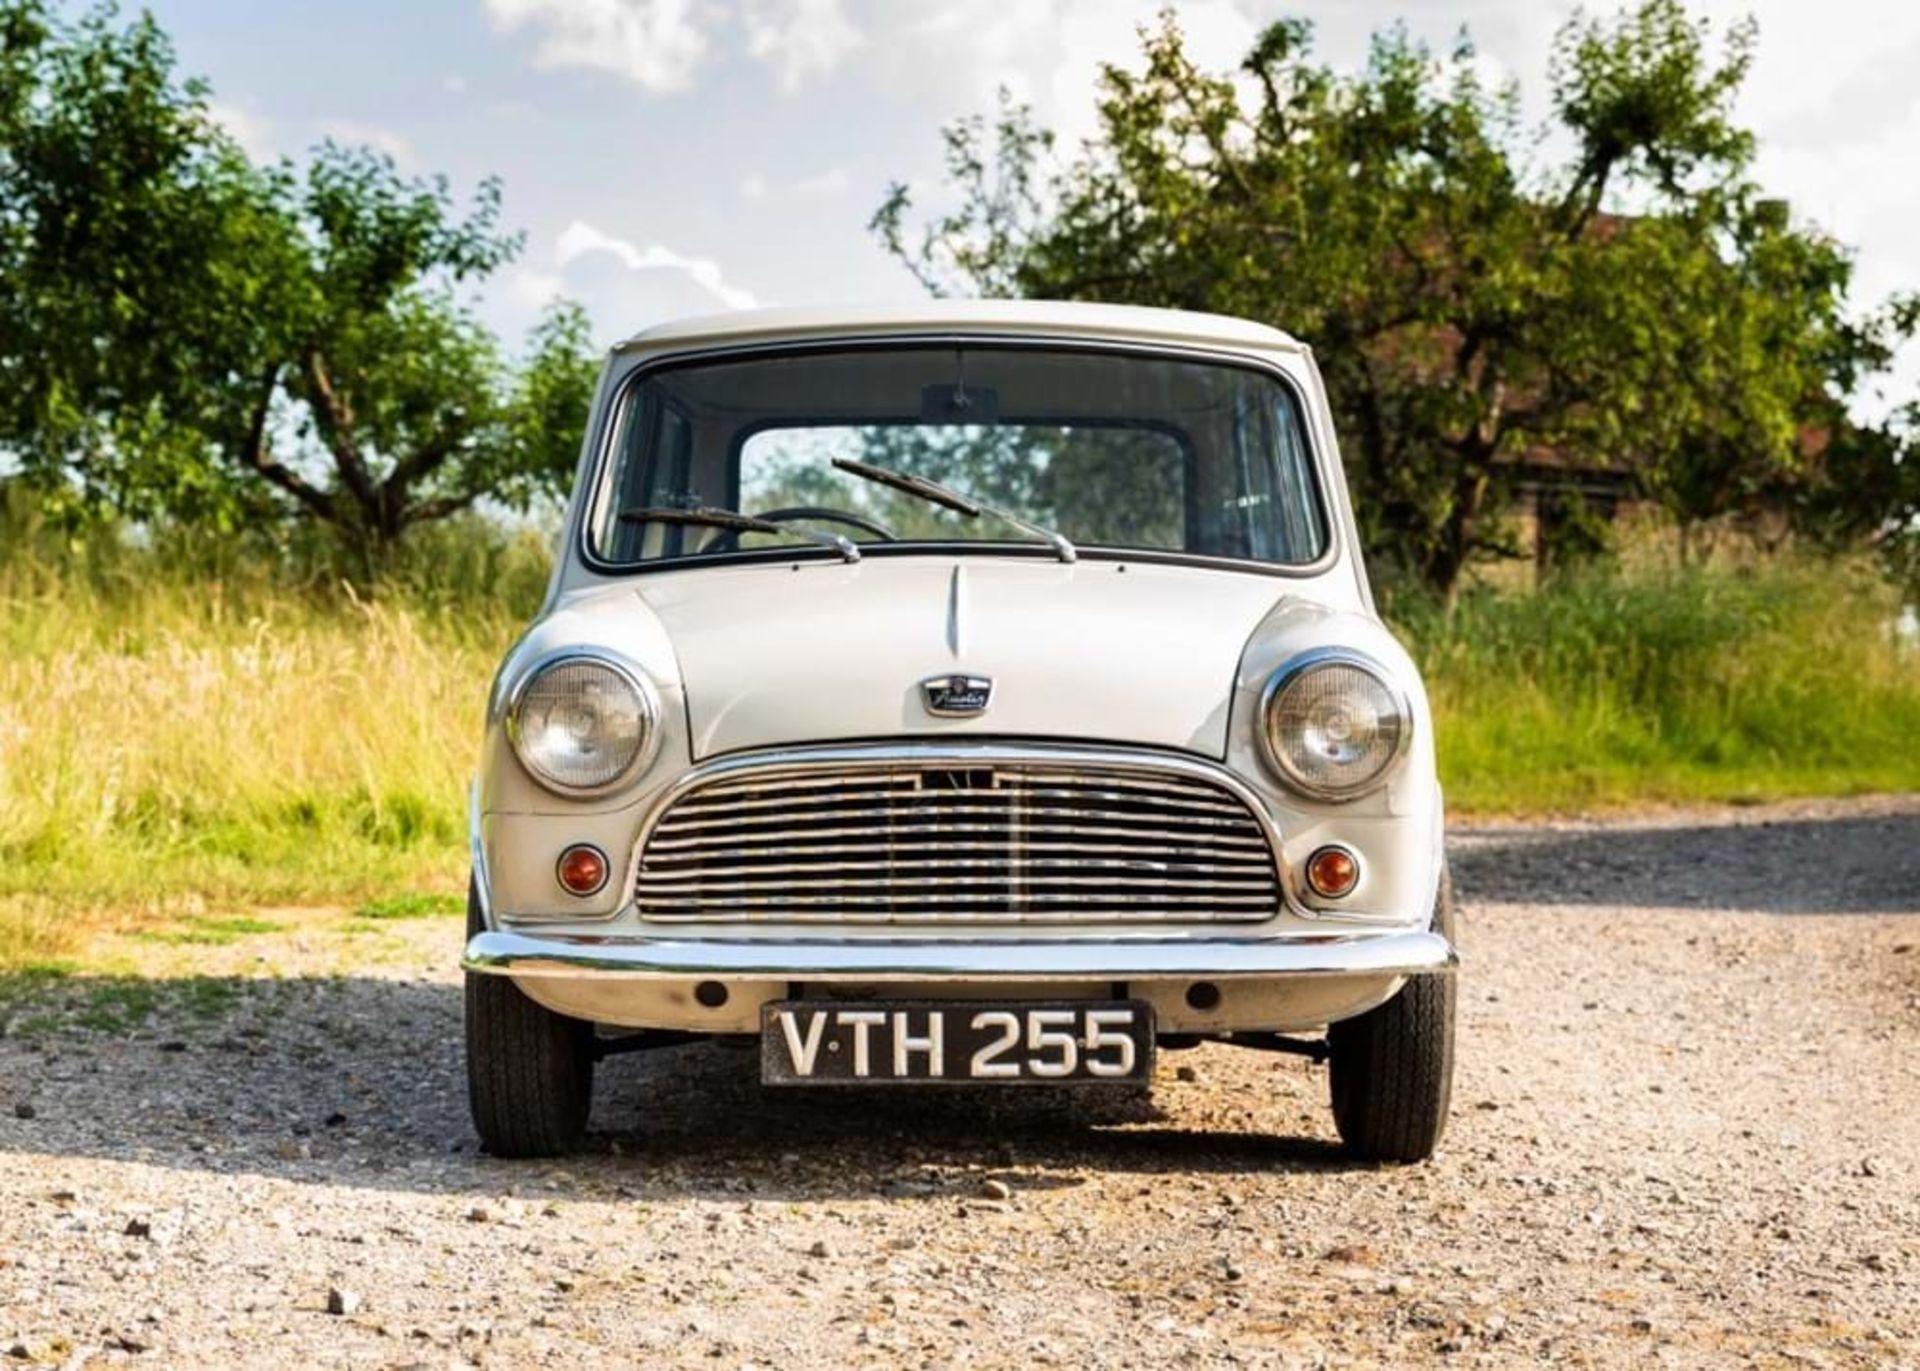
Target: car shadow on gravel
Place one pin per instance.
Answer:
(688, 1105)
(1840, 865)
(360, 1082)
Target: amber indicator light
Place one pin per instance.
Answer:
(1333, 872)
(583, 870)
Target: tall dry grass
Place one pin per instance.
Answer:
(172, 741)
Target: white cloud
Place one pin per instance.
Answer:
(799, 39)
(951, 54)
(580, 239)
(624, 286)
(956, 55)
(657, 44)
(355, 133)
(753, 186)
(249, 130)
(832, 181)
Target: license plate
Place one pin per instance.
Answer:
(879, 1042)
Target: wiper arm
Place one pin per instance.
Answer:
(935, 493)
(740, 523)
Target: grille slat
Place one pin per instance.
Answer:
(971, 842)
(1258, 870)
(893, 900)
(913, 808)
(916, 782)
(914, 815)
(721, 809)
(1144, 838)
(1213, 850)
(1175, 886)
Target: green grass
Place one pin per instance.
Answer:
(417, 905)
(211, 932)
(184, 739)
(34, 1004)
(1668, 688)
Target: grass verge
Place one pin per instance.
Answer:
(1786, 681)
(175, 754)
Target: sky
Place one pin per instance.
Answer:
(668, 157)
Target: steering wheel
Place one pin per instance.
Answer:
(808, 514)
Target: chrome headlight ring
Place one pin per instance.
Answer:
(1395, 719)
(627, 757)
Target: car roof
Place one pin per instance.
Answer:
(1134, 323)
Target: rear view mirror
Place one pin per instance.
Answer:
(959, 404)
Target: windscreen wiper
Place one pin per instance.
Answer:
(740, 523)
(935, 493)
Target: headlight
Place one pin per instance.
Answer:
(580, 723)
(1333, 724)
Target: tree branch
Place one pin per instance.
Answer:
(440, 507)
(1181, 75)
(1582, 200)
(254, 453)
(335, 419)
(422, 461)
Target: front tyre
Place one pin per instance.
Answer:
(1391, 1069)
(529, 1070)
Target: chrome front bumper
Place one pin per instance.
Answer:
(576, 957)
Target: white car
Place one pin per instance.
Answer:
(976, 693)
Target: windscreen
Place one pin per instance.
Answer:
(1119, 452)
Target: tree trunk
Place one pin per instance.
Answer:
(1448, 564)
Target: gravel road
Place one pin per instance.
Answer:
(1684, 1134)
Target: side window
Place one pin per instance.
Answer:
(1301, 525)
(653, 467)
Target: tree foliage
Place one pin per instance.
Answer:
(1472, 303)
(186, 333)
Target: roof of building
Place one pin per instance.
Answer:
(1133, 323)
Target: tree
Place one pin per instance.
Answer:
(1865, 492)
(184, 333)
(393, 403)
(1641, 303)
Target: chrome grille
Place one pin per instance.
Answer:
(1028, 841)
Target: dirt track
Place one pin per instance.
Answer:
(1687, 1131)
